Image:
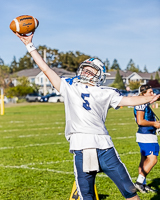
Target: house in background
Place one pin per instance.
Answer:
(128, 76)
(36, 76)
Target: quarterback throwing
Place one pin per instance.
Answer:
(86, 106)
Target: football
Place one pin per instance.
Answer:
(24, 24)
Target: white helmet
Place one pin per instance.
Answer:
(97, 79)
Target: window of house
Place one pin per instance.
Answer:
(32, 80)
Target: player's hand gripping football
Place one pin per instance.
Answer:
(26, 39)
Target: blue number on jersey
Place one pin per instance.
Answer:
(86, 104)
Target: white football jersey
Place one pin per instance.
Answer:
(86, 107)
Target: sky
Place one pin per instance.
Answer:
(107, 29)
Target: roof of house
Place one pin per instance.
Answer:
(36, 71)
(125, 74)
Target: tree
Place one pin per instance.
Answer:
(52, 55)
(145, 69)
(118, 82)
(115, 65)
(1, 62)
(26, 62)
(134, 85)
(131, 66)
(14, 65)
(4, 74)
(22, 89)
(151, 77)
(107, 64)
(157, 76)
(70, 61)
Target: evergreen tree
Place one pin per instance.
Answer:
(14, 65)
(151, 77)
(115, 65)
(145, 69)
(1, 62)
(118, 82)
(157, 77)
(131, 66)
(107, 64)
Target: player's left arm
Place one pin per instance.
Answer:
(142, 122)
(138, 100)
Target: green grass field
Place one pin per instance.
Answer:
(35, 159)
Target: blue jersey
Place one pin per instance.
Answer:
(148, 115)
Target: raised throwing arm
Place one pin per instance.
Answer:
(52, 76)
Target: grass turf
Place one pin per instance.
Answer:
(35, 158)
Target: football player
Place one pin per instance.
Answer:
(86, 105)
(146, 138)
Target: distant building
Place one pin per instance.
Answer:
(128, 76)
(36, 76)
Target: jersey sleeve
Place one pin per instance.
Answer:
(116, 99)
(62, 87)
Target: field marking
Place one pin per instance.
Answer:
(48, 163)
(55, 162)
(32, 145)
(31, 129)
(47, 134)
(31, 135)
(129, 153)
(123, 137)
(52, 170)
(33, 168)
(42, 144)
(121, 124)
(38, 124)
(32, 123)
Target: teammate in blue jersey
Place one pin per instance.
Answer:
(146, 138)
(87, 103)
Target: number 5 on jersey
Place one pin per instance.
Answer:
(86, 102)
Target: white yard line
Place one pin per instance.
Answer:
(48, 163)
(121, 138)
(31, 129)
(32, 145)
(36, 169)
(47, 134)
(44, 144)
(51, 170)
(34, 122)
(32, 135)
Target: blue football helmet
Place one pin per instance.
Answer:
(94, 79)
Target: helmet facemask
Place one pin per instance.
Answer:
(87, 76)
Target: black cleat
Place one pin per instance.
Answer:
(149, 189)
